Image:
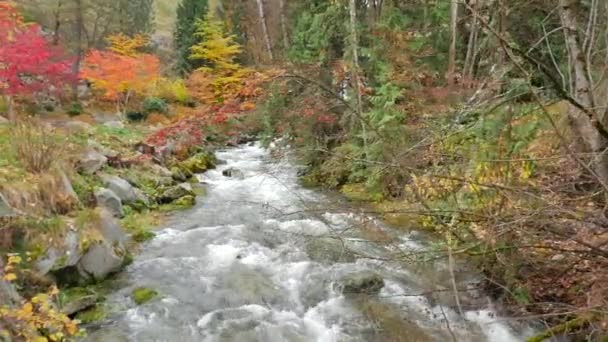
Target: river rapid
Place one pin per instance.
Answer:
(262, 259)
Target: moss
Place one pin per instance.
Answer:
(143, 235)
(135, 222)
(185, 202)
(198, 163)
(95, 314)
(142, 295)
(357, 192)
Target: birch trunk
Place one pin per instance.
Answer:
(586, 124)
(355, 73)
(265, 28)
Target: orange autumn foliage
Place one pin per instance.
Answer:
(121, 71)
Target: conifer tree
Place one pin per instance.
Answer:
(189, 13)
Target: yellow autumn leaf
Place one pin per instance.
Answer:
(9, 277)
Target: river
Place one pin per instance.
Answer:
(262, 259)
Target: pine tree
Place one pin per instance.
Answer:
(189, 13)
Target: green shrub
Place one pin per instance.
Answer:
(75, 109)
(155, 104)
(135, 116)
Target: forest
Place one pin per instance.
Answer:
(482, 124)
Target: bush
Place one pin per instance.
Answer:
(173, 91)
(135, 116)
(75, 109)
(155, 104)
(35, 147)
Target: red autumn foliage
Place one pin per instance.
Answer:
(29, 63)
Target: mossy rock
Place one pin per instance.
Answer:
(186, 201)
(77, 299)
(96, 314)
(142, 295)
(198, 163)
(143, 235)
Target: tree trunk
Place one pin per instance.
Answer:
(469, 61)
(57, 23)
(284, 24)
(355, 71)
(453, 38)
(79, 52)
(265, 28)
(586, 124)
(10, 108)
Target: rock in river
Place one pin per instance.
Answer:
(364, 282)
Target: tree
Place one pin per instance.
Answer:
(453, 38)
(29, 62)
(217, 51)
(121, 71)
(264, 24)
(189, 13)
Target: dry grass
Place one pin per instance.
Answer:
(35, 146)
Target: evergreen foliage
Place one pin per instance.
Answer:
(189, 13)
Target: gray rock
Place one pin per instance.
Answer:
(177, 192)
(114, 124)
(124, 190)
(68, 189)
(92, 161)
(364, 282)
(233, 172)
(106, 198)
(78, 127)
(101, 260)
(4, 121)
(110, 229)
(328, 251)
(5, 208)
(56, 258)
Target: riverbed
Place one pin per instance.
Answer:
(262, 259)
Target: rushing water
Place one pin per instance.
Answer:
(242, 266)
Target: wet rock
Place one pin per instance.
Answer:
(108, 199)
(142, 295)
(77, 299)
(176, 192)
(124, 190)
(78, 127)
(328, 251)
(56, 258)
(5, 209)
(107, 335)
(364, 282)
(92, 161)
(245, 139)
(101, 260)
(233, 172)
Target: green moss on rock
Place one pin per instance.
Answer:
(95, 314)
(143, 235)
(142, 295)
(198, 163)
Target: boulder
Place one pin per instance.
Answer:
(106, 198)
(199, 163)
(77, 299)
(177, 192)
(92, 161)
(5, 208)
(328, 250)
(56, 258)
(161, 171)
(124, 190)
(101, 260)
(364, 282)
(78, 127)
(233, 172)
(110, 229)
